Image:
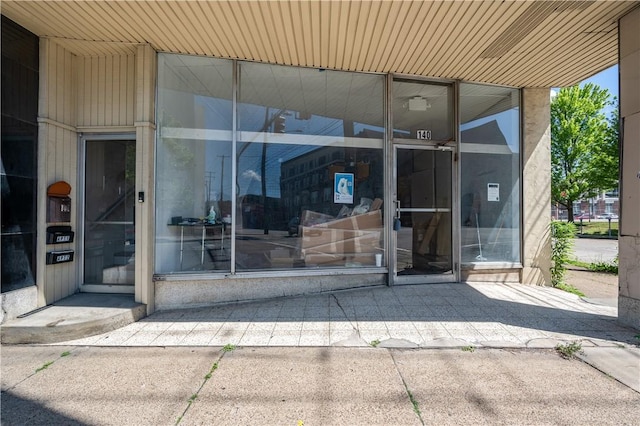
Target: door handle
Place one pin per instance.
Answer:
(396, 220)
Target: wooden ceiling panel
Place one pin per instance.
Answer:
(518, 43)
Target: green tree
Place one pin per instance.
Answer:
(581, 163)
(606, 156)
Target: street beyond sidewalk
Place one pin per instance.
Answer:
(593, 250)
(45, 385)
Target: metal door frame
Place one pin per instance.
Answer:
(394, 278)
(82, 167)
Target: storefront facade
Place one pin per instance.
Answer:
(199, 178)
(331, 179)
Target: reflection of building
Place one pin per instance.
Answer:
(488, 219)
(69, 85)
(307, 181)
(253, 209)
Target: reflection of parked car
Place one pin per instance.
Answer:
(293, 225)
(608, 216)
(582, 216)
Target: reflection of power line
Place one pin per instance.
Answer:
(210, 176)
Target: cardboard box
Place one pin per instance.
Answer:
(317, 236)
(329, 241)
(369, 220)
(311, 218)
(337, 241)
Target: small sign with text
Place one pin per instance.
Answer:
(423, 134)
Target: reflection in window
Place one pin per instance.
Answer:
(291, 122)
(490, 170)
(18, 156)
(297, 130)
(193, 179)
(422, 111)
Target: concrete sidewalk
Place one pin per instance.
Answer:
(422, 354)
(73, 385)
(417, 316)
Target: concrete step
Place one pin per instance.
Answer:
(80, 315)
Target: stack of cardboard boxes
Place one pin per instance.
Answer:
(349, 241)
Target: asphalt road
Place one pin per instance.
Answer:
(595, 249)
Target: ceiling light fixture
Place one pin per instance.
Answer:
(418, 103)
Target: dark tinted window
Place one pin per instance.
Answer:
(18, 154)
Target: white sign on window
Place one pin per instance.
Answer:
(493, 192)
(343, 190)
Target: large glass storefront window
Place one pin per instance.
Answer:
(310, 168)
(307, 173)
(490, 174)
(194, 161)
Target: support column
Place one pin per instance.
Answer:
(536, 187)
(146, 71)
(629, 236)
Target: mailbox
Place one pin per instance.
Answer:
(58, 202)
(59, 209)
(59, 256)
(59, 235)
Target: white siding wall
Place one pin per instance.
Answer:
(77, 94)
(106, 90)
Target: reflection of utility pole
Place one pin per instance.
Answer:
(222, 157)
(209, 177)
(264, 189)
(277, 121)
(263, 180)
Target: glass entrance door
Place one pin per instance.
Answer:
(109, 211)
(423, 218)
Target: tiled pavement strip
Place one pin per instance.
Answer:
(427, 315)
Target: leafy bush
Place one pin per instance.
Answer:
(562, 235)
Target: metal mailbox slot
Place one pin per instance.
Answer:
(58, 209)
(59, 235)
(59, 256)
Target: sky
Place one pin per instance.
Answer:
(606, 79)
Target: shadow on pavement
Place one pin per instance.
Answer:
(536, 308)
(20, 411)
